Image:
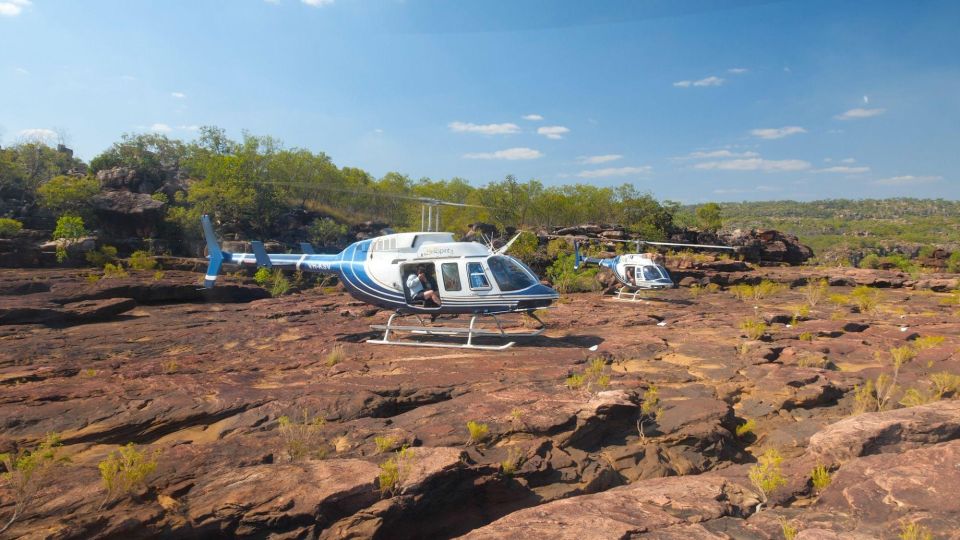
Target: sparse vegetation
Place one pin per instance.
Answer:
(169, 367)
(805, 336)
(126, 470)
(69, 230)
(158, 275)
(395, 471)
(9, 227)
(650, 410)
(754, 328)
(914, 531)
(927, 342)
(512, 462)
(114, 271)
(814, 291)
(945, 383)
(384, 443)
(478, 432)
(141, 260)
(302, 437)
(766, 475)
(281, 285)
(865, 299)
(789, 530)
(746, 428)
(335, 356)
(26, 471)
(594, 377)
(820, 478)
(100, 257)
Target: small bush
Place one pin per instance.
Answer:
(384, 444)
(902, 355)
(92, 278)
(871, 261)
(280, 284)
(789, 530)
(945, 383)
(169, 367)
(913, 397)
(766, 289)
(814, 291)
(126, 470)
(742, 292)
(26, 472)
(914, 531)
(100, 257)
(820, 478)
(806, 336)
(746, 428)
(68, 230)
(927, 342)
(766, 475)
(114, 271)
(395, 471)
(512, 462)
(593, 379)
(478, 432)
(302, 436)
(838, 300)
(9, 227)
(262, 276)
(335, 356)
(650, 410)
(141, 260)
(158, 275)
(754, 328)
(866, 299)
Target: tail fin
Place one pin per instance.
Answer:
(216, 255)
(577, 259)
(260, 252)
(307, 248)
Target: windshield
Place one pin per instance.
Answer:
(651, 273)
(509, 274)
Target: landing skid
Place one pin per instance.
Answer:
(625, 294)
(469, 331)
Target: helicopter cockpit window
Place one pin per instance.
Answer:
(451, 276)
(509, 274)
(478, 278)
(651, 273)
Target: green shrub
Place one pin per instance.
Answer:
(64, 194)
(302, 436)
(754, 328)
(927, 342)
(335, 356)
(814, 291)
(820, 478)
(766, 475)
(866, 299)
(871, 261)
(262, 276)
(746, 428)
(69, 229)
(326, 232)
(789, 530)
(945, 383)
(114, 271)
(395, 471)
(914, 531)
(141, 260)
(100, 257)
(953, 262)
(158, 275)
(281, 285)
(384, 444)
(512, 462)
(9, 227)
(478, 432)
(126, 470)
(806, 336)
(594, 377)
(26, 472)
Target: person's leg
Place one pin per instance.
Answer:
(432, 296)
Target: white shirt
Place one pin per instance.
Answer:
(413, 283)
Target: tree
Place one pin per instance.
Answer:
(709, 217)
(68, 194)
(69, 229)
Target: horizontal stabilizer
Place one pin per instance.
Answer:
(307, 248)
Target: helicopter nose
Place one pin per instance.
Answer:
(545, 290)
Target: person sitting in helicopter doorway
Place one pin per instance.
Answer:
(420, 287)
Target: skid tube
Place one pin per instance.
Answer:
(469, 331)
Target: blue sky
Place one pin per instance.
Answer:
(692, 100)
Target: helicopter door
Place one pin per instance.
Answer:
(417, 299)
(630, 274)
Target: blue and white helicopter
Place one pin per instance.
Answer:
(636, 272)
(475, 280)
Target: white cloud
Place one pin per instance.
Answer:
(755, 164)
(272, 1)
(844, 169)
(378, 131)
(738, 71)
(907, 180)
(848, 160)
(614, 171)
(486, 129)
(553, 132)
(719, 154)
(184, 127)
(178, 95)
(317, 3)
(595, 160)
(22, 71)
(161, 128)
(38, 134)
(511, 154)
(12, 8)
(859, 113)
(708, 81)
(777, 133)
(533, 117)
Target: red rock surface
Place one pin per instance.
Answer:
(203, 381)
